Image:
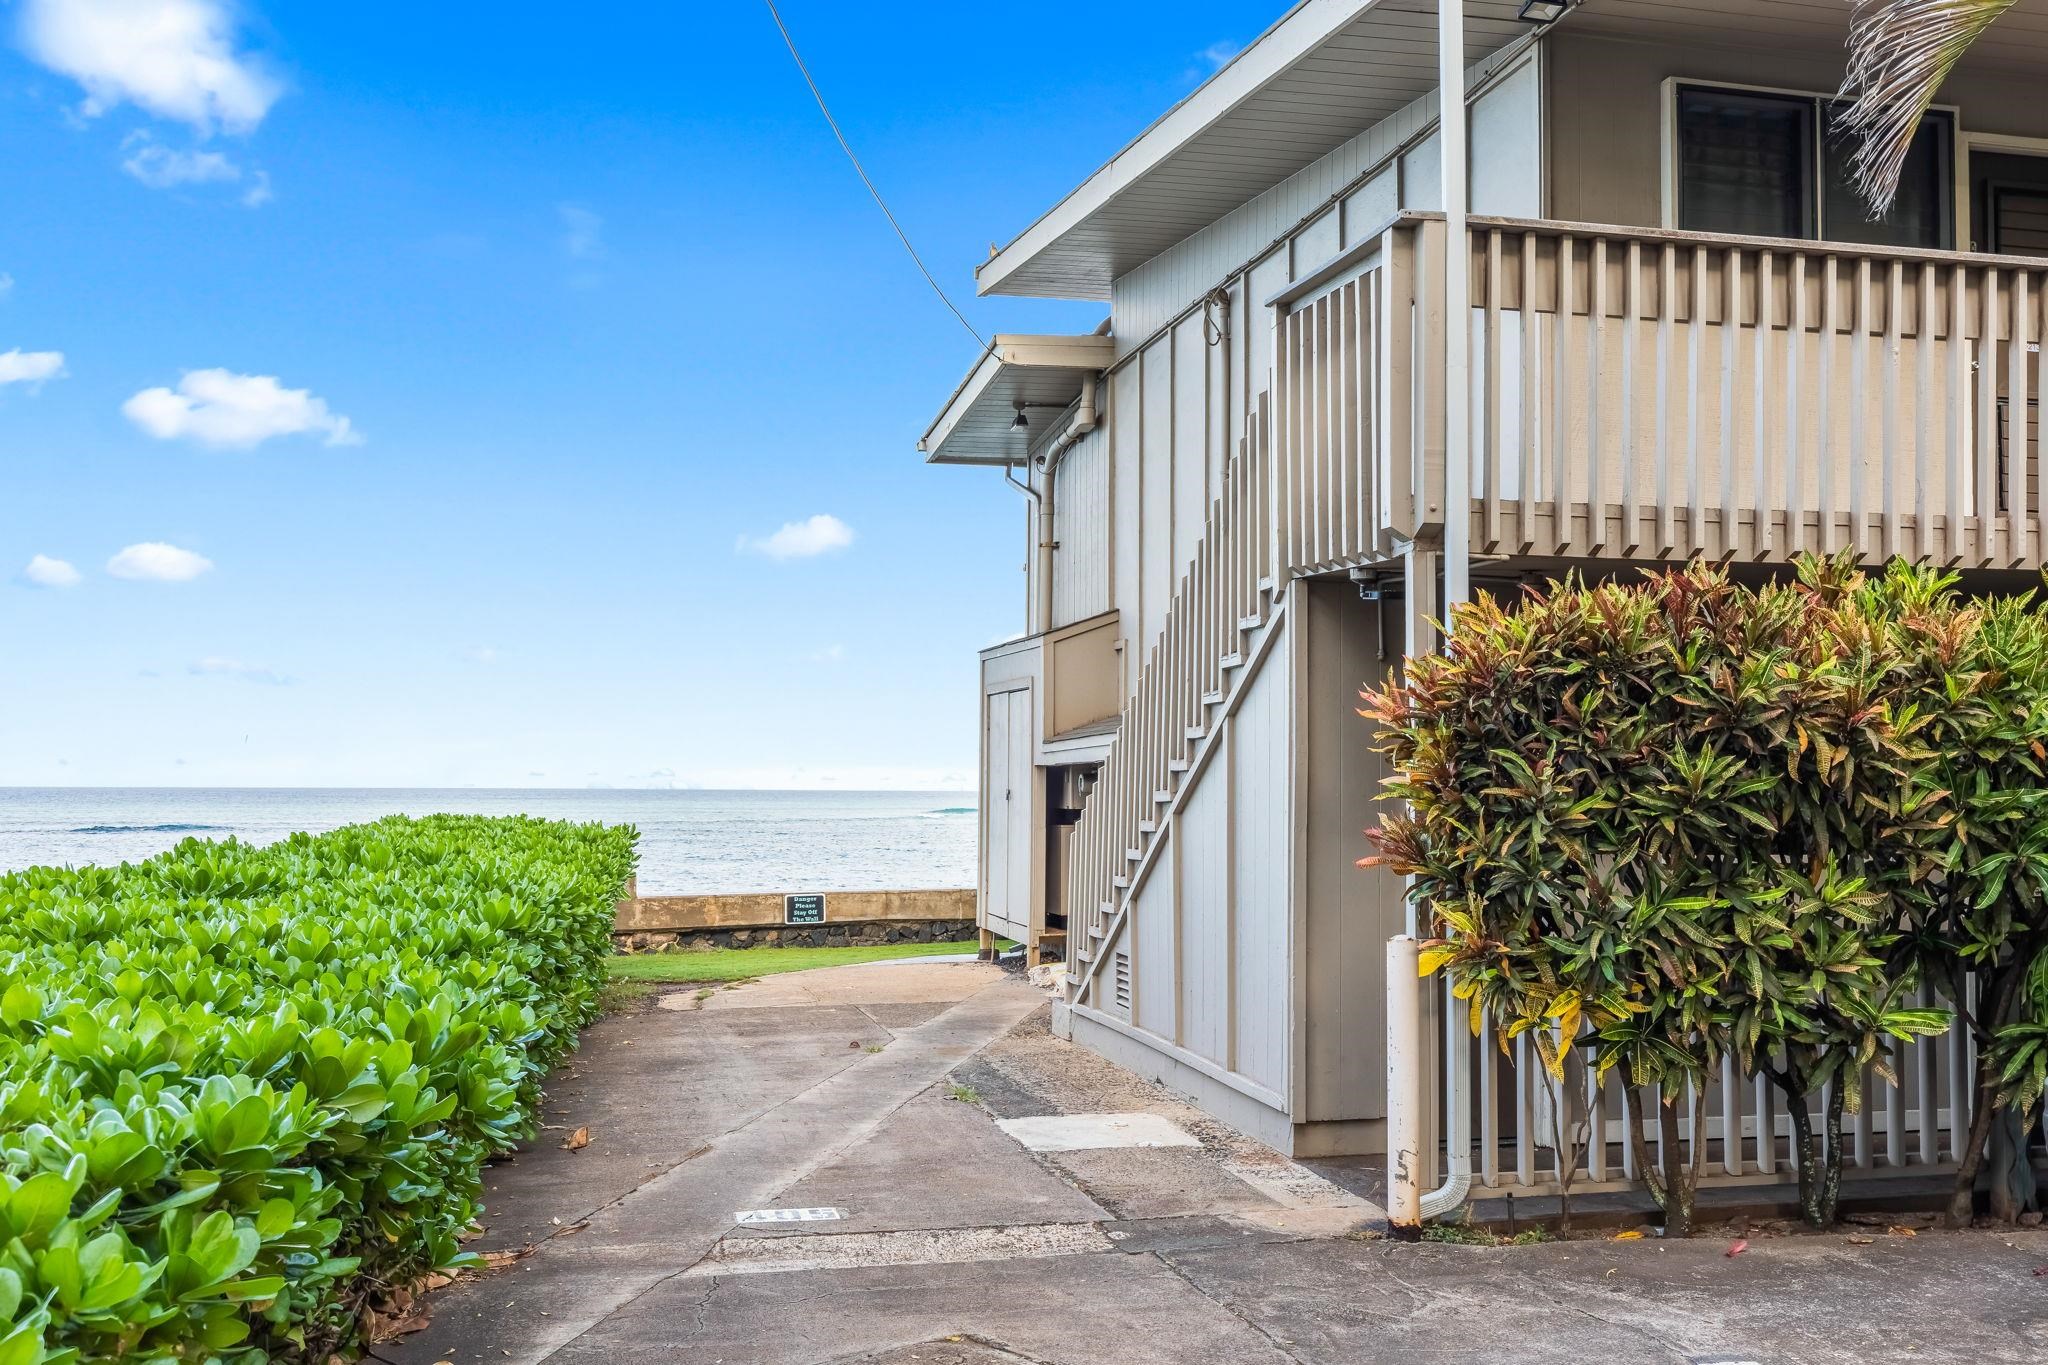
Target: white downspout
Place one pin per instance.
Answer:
(1407, 1204)
(1450, 44)
(1083, 422)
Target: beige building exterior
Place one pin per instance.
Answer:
(1634, 316)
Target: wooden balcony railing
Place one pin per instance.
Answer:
(1641, 394)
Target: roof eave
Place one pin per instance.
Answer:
(1294, 36)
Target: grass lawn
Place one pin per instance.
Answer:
(739, 964)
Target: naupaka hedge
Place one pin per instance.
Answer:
(241, 1088)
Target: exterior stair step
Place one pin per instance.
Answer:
(1134, 854)
(1196, 731)
(1161, 796)
(1266, 585)
(1232, 660)
(1176, 765)
(1212, 698)
(1148, 827)
(1120, 882)
(1250, 622)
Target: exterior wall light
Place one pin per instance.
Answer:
(1543, 11)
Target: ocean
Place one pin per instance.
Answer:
(691, 842)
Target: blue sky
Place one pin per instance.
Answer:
(437, 382)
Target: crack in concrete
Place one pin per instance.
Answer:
(1186, 1278)
(703, 1302)
(1633, 1328)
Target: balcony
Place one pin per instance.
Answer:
(1650, 395)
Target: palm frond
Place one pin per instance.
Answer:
(1900, 54)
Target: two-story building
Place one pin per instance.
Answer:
(1628, 311)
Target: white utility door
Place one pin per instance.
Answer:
(1006, 818)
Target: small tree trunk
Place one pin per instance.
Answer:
(1678, 1183)
(1963, 1198)
(1646, 1170)
(1831, 1183)
(1805, 1152)
(1962, 1202)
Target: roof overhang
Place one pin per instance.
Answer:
(1044, 373)
(1328, 70)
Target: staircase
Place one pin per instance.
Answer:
(1222, 613)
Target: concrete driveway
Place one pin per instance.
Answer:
(900, 1098)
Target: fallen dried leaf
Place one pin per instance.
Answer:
(390, 1330)
(1861, 1241)
(1900, 1230)
(1737, 1247)
(576, 1141)
(1629, 1235)
(2041, 1272)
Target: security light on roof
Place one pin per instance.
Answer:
(1543, 11)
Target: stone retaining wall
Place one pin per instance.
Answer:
(652, 924)
(843, 935)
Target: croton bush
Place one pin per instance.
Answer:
(1661, 823)
(244, 1089)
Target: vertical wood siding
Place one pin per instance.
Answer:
(1261, 856)
(1081, 567)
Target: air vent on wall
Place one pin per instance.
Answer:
(1120, 980)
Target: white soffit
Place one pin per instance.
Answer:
(1045, 373)
(1328, 70)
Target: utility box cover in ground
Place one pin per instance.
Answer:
(803, 909)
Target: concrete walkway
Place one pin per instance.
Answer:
(880, 1092)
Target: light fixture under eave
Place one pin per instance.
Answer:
(1020, 422)
(1543, 11)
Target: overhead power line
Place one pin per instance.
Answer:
(865, 179)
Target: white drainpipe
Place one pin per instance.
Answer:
(1450, 44)
(1083, 422)
(1404, 1087)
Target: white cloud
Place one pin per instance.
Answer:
(223, 409)
(30, 367)
(830, 654)
(168, 168)
(802, 539)
(1218, 55)
(481, 654)
(582, 232)
(155, 562)
(176, 59)
(163, 168)
(216, 667)
(6, 284)
(46, 572)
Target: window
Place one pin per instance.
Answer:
(1770, 165)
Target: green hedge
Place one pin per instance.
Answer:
(242, 1088)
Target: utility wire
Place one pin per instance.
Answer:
(861, 170)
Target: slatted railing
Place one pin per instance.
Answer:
(1653, 395)
(1914, 1124)
(1166, 716)
(1346, 363)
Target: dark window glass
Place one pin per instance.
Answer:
(1745, 163)
(1918, 217)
